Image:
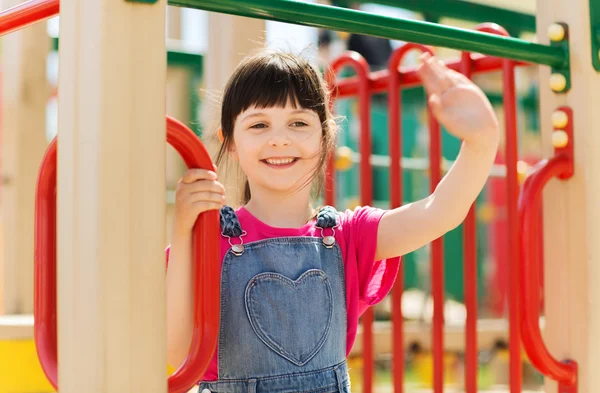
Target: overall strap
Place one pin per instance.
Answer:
(230, 225)
(327, 217)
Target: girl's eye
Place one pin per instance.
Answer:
(299, 124)
(259, 125)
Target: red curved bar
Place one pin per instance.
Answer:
(379, 79)
(206, 267)
(396, 195)
(361, 67)
(44, 293)
(529, 206)
(26, 14)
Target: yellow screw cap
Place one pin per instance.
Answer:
(560, 138)
(343, 158)
(556, 32)
(560, 119)
(522, 170)
(558, 82)
(486, 212)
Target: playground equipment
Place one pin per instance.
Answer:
(206, 268)
(516, 51)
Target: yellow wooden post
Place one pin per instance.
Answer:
(231, 39)
(178, 106)
(24, 97)
(571, 208)
(111, 197)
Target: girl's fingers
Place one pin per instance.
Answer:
(444, 79)
(195, 174)
(430, 78)
(203, 206)
(206, 196)
(203, 185)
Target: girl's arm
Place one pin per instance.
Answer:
(180, 306)
(197, 191)
(462, 108)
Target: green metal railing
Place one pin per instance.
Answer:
(179, 56)
(352, 21)
(432, 10)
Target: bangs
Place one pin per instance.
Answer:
(275, 81)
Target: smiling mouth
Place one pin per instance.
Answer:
(280, 162)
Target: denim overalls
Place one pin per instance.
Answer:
(283, 313)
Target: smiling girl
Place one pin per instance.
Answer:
(295, 279)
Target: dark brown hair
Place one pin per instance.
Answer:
(272, 79)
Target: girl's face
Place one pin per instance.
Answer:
(278, 148)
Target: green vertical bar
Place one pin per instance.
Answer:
(595, 32)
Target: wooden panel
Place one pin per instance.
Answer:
(111, 197)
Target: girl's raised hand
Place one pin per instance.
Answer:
(197, 191)
(458, 104)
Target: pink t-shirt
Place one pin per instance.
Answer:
(367, 281)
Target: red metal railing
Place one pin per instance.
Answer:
(392, 81)
(206, 267)
(561, 166)
(26, 14)
(396, 200)
(361, 67)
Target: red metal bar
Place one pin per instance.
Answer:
(396, 195)
(437, 261)
(206, 270)
(470, 276)
(361, 67)
(512, 193)
(44, 295)
(26, 14)
(529, 205)
(379, 80)
(561, 166)
(512, 190)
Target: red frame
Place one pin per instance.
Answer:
(530, 203)
(27, 13)
(206, 267)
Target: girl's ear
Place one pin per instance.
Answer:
(220, 135)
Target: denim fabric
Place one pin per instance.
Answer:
(283, 319)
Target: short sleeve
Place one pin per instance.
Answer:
(375, 278)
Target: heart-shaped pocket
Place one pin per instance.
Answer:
(292, 318)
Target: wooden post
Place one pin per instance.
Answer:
(571, 208)
(178, 106)
(232, 38)
(24, 98)
(111, 197)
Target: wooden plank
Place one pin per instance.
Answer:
(571, 209)
(232, 38)
(111, 197)
(24, 96)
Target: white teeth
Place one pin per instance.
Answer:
(279, 161)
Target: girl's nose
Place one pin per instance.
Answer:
(279, 138)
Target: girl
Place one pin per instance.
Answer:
(294, 280)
